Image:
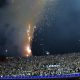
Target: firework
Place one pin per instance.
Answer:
(28, 40)
(34, 17)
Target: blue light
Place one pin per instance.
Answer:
(42, 77)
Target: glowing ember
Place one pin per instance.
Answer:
(28, 50)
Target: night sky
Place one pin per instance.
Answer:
(57, 22)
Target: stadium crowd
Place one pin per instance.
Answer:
(41, 65)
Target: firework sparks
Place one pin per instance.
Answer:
(28, 37)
